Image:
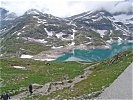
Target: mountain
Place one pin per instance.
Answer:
(6, 18)
(35, 32)
(6, 15)
(126, 18)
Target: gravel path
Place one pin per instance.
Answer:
(54, 86)
(121, 88)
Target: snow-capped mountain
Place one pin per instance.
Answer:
(5, 18)
(6, 15)
(126, 18)
(35, 31)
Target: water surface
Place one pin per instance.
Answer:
(94, 54)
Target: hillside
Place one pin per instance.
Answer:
(17, 74)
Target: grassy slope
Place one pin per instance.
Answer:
(13, 45)
(41, 72)
(36, 72)
(103, 75)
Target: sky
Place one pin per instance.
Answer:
(66, 8)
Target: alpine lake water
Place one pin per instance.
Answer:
(94, 54)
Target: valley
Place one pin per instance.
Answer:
(64, 58)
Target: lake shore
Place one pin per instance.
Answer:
(55, 53)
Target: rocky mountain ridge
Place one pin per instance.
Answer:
(35, 31)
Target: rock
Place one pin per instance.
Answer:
(69, 81)
(36, 86)
(82, 76)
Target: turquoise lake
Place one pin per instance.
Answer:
(94, 54)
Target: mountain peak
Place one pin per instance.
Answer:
(33, 12)
(3, 11)
(103, 12)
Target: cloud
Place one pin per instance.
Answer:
(64, 8)
(122, 7)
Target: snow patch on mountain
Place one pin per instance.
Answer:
(48, 33)
(35, 40)
(36, 17)
(18, 34)
(130, 41)
(102, 32)
(73, 36)
(57, 47)
(32, 12)
(110, 41)
(41, 40)
(119, 40)
(40, 21)
(25, 26)
(26, 56)
(45, 59)
(73, 43)
(89, 38)
(59, 35)
(97, 19)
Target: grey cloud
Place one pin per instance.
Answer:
(65, 8)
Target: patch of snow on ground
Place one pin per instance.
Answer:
(49, 59)
(22, 49)
(25, 26)
(74, 30)
(19, 67)
(26, 56)
(35, 40)
(14, 33)
(119, 40)
(102, 32)
(1, 55)
(73, 43)
(110, 41)
(107, 46)
(36, 17)
(130, 41)
(48, 33)
(45, 59)
(40, 21)
(73, 36)
(56, 47)
(18, 34)
(42, 41)
(89, 38)
(59, 35)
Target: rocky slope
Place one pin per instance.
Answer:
(35, 31)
